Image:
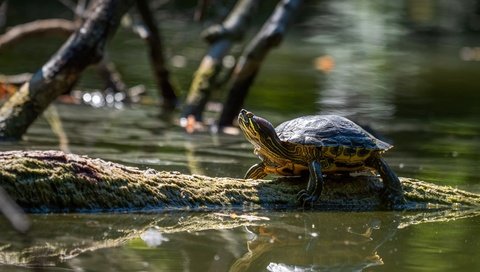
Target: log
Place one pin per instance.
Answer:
(52, 181)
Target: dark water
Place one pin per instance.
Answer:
(404, 69)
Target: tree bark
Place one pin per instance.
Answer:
(270, 36)
(52, 181)
(221, 38)
(62, 71)
(167, 91)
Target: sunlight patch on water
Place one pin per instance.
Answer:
(153, 237)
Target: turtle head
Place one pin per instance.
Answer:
(259, 132)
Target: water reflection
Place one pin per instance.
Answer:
(273, 241)
(409, 68)
(327, 242)
(358, 37)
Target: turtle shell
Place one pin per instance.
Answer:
(328, 131)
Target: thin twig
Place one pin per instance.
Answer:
(18, 79)
(37, 28)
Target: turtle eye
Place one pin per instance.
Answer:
(249, 114)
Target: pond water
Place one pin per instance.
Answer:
(401, 69)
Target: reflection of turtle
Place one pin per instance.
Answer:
(316, 145)
(334, 241)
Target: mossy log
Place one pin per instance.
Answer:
(52, 181)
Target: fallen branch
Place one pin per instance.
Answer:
(52, 181)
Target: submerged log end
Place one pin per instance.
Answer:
(50, 181)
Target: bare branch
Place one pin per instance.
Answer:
(13, 213)
(221, 38)
(270, 36)
(3, 14)
(200, 10)
(157, 58)
(37, 28)
(109, 73)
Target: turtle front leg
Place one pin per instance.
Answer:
(393, 194)
(257, 171)
(315, 185)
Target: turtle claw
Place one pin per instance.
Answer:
(302, 195)
(305, 199)
(393, 199)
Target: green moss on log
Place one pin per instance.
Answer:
(57, 182)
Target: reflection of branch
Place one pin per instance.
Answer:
(115, 230)
(36, 28)
(440, 216)
(13, 212)
(193, 161)
(330, 241)
(53, 119)
(81, 183)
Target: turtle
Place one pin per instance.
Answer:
(317, 145)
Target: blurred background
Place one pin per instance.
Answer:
(407, 70)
